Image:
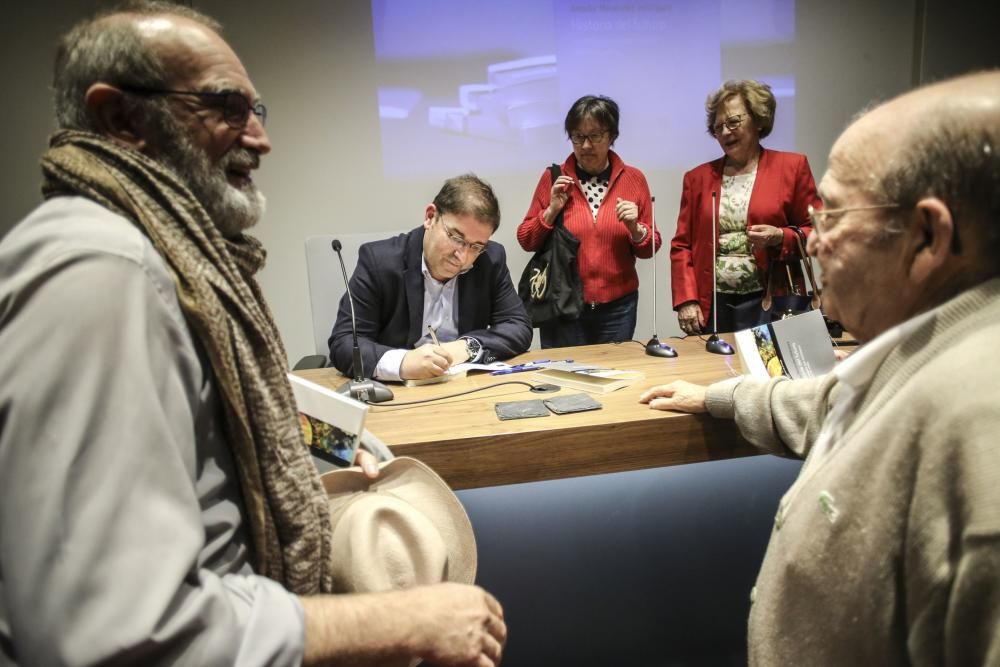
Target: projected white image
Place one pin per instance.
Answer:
(487, 85)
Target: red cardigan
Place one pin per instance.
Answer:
(782, 191)
(606, 258)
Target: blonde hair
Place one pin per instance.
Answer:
(756, 96)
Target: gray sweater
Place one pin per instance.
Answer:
(887, 550)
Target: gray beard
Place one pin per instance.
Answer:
(233, 210)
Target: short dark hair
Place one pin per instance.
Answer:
(603, 110)
(108, 48)
(469, 195)
(757, 98)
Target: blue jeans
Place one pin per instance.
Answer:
(610, 322)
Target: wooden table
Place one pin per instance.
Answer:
(468, 445)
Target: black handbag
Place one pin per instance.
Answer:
(770, 308)
(550, 284)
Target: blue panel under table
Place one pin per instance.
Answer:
(651, 567)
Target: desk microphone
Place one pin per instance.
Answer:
(714, 343)
(654, 347)
(359, 388)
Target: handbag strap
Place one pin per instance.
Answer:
(800, 240)
(555, 171)
(766, 300)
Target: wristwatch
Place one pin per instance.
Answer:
(473, 347)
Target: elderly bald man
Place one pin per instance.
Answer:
(886, 549)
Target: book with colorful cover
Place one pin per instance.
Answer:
(331, 424)
(797, 347)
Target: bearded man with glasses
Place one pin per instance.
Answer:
(434, 297)
(159, 504)
(886, 549)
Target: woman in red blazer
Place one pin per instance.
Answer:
(758, 192)
(606, 204)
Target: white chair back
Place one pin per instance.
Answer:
(326, 284)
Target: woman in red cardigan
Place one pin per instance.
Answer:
(606, 204)
(759, 194)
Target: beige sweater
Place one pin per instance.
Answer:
(887, 551)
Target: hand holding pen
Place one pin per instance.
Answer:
(455, 350)
(429, 360)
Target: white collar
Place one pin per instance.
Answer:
(857, 370)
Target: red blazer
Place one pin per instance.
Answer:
(606, 257)
(782, 192)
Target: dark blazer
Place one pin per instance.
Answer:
(782, 192)
(388, 290)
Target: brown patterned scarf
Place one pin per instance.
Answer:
(284, 498)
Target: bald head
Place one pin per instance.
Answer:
(940, 140)
(117, 47)
(159, 79)
(912, 191)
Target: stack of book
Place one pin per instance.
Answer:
(594, 380)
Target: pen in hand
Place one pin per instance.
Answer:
(434, 336)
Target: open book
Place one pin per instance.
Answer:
(331, 424)
(458, 370)
(797, 347)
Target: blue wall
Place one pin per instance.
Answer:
(652, 567)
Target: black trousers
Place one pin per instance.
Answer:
(726, 303)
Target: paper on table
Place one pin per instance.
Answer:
(594, 380)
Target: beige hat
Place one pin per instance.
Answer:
(406, 528)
